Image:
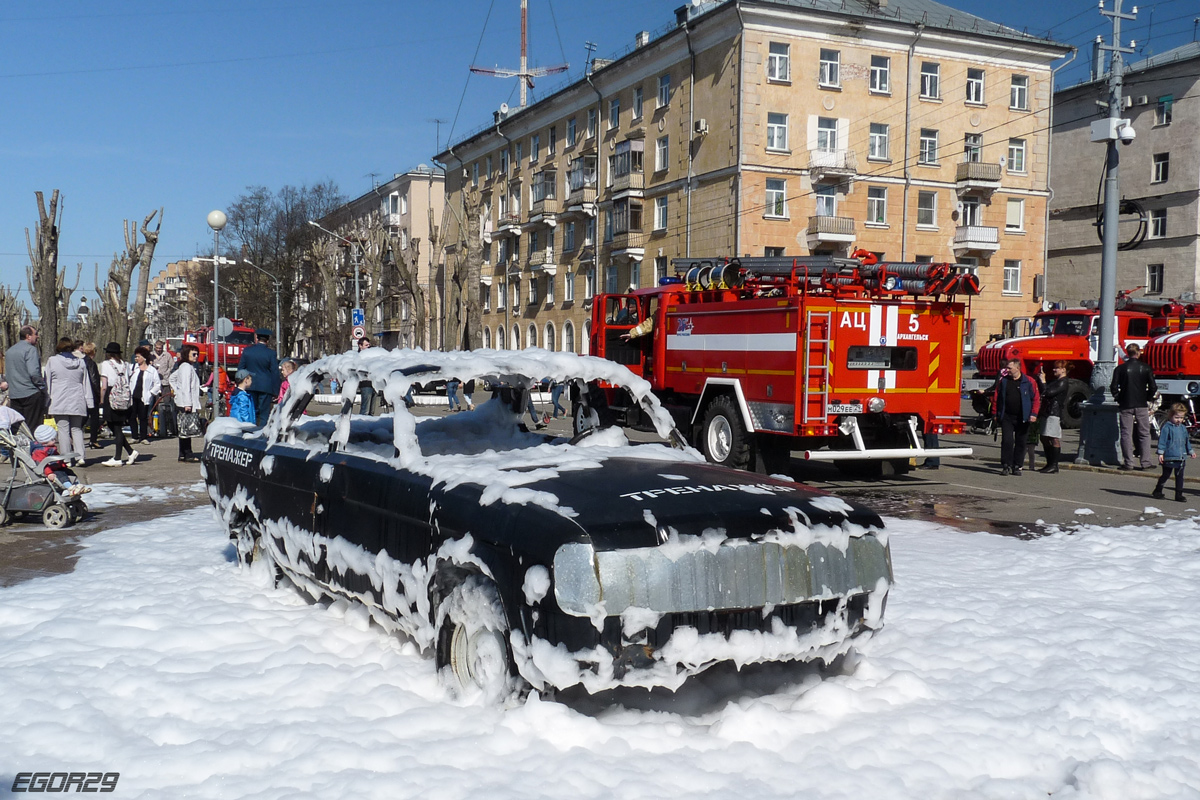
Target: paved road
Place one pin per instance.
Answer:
(966, 492)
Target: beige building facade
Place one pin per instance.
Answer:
(911, 130)
(1159, 182)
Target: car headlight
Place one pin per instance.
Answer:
(876, 405)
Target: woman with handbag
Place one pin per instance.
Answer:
(185, 383)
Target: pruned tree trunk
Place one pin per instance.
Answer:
(43, 271)
(13, 315)
(145, 252)
(464, 322)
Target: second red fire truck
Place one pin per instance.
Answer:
(849, 360)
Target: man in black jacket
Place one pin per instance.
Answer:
(261, 362)
(1133, 385)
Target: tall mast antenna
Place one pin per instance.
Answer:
(524, 74)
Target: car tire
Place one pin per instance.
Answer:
(723, 436)
(582, 418)
(473, 652)
(56, 516)
(1078, 393)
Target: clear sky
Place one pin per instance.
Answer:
(127, 105)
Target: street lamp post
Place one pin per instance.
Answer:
(216, 221)
(233, 294)
(278, 286)
(354, 256)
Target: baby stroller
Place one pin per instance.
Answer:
(27, 490)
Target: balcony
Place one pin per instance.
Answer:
(631, 244)
(978, 177)
(508, 224)
(976, 239)
(630, 181)
(824, 165)
(547, 205)
(542, 260)
(390, 220)
(824, 231)
(581, 200)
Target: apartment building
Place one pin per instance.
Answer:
(401, 207)
(167, 301)
(767, 127)
(1160, 184)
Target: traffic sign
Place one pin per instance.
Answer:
(357, 317)
(359, 332)
(224, 327)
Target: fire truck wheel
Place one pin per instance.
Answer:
(1078, 393)
(723, 436)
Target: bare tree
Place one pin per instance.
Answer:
(43, 271)
(464, 317)
(145, 255)
(13, 315)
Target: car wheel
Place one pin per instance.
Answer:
(583, 418)
(56, 516)
(473, 653)
(1078, 393)
(723, 435)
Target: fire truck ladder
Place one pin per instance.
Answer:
(816, 349)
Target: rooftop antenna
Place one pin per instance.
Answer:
(1195, 22)
(437, 145)
(524, 75)
(373, 176)
(590, 47)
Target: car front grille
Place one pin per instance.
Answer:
(1164, 358)
(988, 361)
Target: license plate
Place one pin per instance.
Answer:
(845, 408)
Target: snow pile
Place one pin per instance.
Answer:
(1064, 667)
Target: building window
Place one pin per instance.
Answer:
(1158, 223)
(568, 337)
(975, 86)
(1154, 278)
(635, 275)
(520, 153)
(535, 145)
(568, 286)
(931, 73)
(877, 205)
(501, 297)
(504, 162)
(515, 344)
(1018, 93)
(549, 291)
(661, 149)
(591, 126)
(589, 284)
(589, 232)
(1016, 155)
(485, 297)
(881, 74)
(878, 147)
(637, 103)
(626, 216)
(660, 213)
(475, 174)
(487, 338)
(971, 211)
(1012, 277)
(973, 147)
(608, 226)
(830, 62)
(614, 113)
(404, 203)
(1162, 168)
(927, 208)
(549, 340)
(569, 237)
(1015, 219)
(552, 145)
(516, 293)
(664, 90)
(1163, 109)
(610, 279)
(531, 341)
(660, 268)
(571, 132)
(928, 153)
(777, 131)
(826, 134)
(779, 62)
(776, 198)
(826, 197)
(487, 167)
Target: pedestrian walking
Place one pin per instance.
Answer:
(185, 386)
(366, 392)
(93, 421)
(1054, 399)
(556, 390)
(1174, 445)
(1133, 386)
(116, 391)
(452, 394)
(164, 362)
(70, 398)
(147, 388)
(263, 365)
(23, 371)
(1016, 404)
(468, 391)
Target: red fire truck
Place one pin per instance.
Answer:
(1175, 359)
(850, 360)
(227, 352)
(1073, 335)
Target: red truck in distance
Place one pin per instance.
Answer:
(850, 360)
(226, 353)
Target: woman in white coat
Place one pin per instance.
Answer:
(70, 397)
(185, 383)
(147, 388)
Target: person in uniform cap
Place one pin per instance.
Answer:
(262, 363)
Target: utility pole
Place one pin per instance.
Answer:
(1099, 435)
(524, 74)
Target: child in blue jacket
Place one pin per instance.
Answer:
(1173, 445)
(241, 405)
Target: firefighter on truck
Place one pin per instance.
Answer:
(847, 359)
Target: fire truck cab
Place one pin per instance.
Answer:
(852, 362)
(226, 352)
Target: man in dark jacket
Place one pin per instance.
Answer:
(1133, 386)
(263, 364)
(1016, 402)
(26, 386)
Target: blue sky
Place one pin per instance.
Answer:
(129, 106)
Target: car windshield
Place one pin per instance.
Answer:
(239, 337)
(1062, 325)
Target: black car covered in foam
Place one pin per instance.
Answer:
(524, 558)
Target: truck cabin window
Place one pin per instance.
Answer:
(622, 311)
(1064, 325)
